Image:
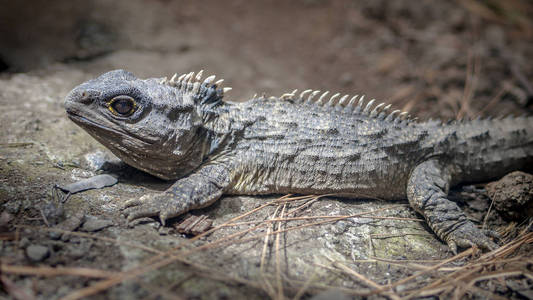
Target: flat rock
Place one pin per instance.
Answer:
(94, 224)
(95, 182)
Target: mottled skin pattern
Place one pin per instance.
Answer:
(307, 144)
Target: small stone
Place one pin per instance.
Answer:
(5, 218)
(79, 251)
(94, 224)
(70, 224)
(99, 160)
(164, 230)
(54, 235)
(24, 242)
(513, 195)
(37, 253)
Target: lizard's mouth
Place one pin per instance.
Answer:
(91, 125)
(86, 122)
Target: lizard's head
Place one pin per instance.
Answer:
(151, 126)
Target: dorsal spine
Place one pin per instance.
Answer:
(191, 83)
(355, 104)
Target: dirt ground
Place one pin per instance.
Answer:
(435, 59)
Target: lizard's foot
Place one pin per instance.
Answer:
(151, 205)
(468, 235)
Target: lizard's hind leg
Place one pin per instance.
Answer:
(427, 191)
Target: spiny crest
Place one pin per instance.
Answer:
(192, 83)
(355, 104)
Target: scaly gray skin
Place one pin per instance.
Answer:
(306, 144)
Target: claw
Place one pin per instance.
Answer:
(153, 205)
(489, 245)
(137, 214)
(163, 218)
(466, 237)
(453, 247)
(493, 234)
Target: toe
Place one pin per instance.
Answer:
(493, 234)
(488, 245)
(163, 218)
(453, 247)
(464, 243)
(468, 236)
(131, 203)
(139, 213)
(153, 205)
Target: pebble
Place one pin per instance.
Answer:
(513, 196)
(70, 224)
(37, 253)
(94, 224)
(24, 242)
(96, 160)
(5, 218)
(79, 251)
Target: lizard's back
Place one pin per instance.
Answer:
(301, 147)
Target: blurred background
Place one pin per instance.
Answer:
(445, 59)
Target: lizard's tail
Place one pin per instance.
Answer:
(488, 149)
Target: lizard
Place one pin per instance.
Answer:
(300, 143)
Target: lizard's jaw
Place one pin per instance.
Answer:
(88, 124)
(134, 151)
(89, 117)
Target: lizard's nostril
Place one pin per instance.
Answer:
(85, 96)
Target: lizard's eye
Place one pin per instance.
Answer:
(122, 106)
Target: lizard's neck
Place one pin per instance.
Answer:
(222, 125)
(217, 129)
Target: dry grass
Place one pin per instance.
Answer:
(436, 278)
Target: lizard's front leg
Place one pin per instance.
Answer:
(200, 189)
(427, 190)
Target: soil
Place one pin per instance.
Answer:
(436, 59)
